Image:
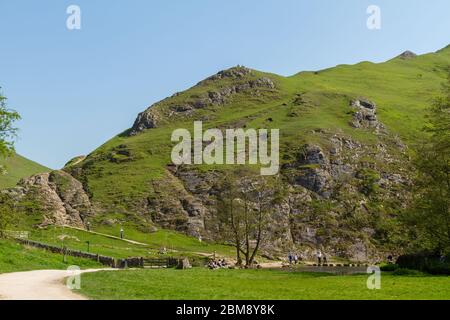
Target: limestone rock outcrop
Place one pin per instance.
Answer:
(365, 114)
(62, 196)
(145, 120)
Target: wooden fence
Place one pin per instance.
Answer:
(159, 262)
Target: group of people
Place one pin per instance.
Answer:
(295, 258)
(321, 258)
(216, 264)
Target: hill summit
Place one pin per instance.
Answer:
(407, 55)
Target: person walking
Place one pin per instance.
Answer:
(295, 258)
(121, 233)
(290, 258)
(319, 257)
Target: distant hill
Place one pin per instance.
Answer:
(18, 167)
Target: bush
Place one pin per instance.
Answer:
(389, 267)
(425, 262)
(406, 272)
(439, 268)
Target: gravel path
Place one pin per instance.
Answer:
(38, 285)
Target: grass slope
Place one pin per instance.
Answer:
(15, 257)
(18, 167)
(177, 244)
(204, 284)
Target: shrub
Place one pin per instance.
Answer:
(425, 262)
(389, 267)
(406, 272)
(438, 268)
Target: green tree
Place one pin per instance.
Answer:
(430, 214)
(7, 135)
(7, 210)
(7, 129)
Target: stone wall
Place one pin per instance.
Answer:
(132, 262)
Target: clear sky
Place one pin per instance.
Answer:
(76, 89)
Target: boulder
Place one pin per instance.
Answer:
(183, 264)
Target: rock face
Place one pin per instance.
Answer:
(174, 207)
(145, 120)
(312, 173)
(336, 174)
(63, 197)
(220, 97)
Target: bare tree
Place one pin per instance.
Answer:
(246, 202)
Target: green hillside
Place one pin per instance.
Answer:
(121, 170)
(346, 138)
(18, 167)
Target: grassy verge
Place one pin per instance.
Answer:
(204, 284)
(15, 257)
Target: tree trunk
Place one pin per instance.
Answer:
(258, 237)
(237, 239)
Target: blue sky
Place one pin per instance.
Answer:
(77, 89)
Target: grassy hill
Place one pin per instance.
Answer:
(18, 167)
(402, 89)
(346, 183)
